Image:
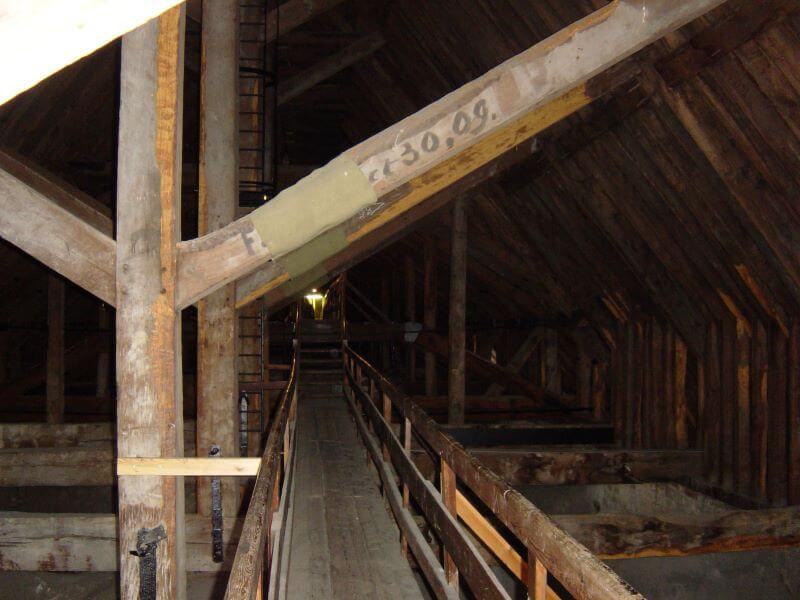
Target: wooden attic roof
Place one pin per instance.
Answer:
(677, 191)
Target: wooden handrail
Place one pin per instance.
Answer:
(246, 580)
(577, 569)
(464, 554)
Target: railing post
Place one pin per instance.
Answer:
(537, 578)
(407, 450)
(387, 416)
(447, 483)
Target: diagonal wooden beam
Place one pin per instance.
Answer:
(76, 29)
(58, 226)
(437, 344)
(290, 15)
(517, 361)
(329, 66)
(382, 178)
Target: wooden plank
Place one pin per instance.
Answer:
(583, 467)
(484, 107)
(88, 542)
(44, 435)
(77, 31)
(448, 488)
(55, 349)
(217, 394)
(489, 536)
(199, 467)
(91, 466)
(618, 536)
(457, 344)
(53, 225)
(149, 402)
(329, 66)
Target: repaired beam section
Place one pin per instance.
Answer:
(371, 184)
(58, 226)
(588, 466)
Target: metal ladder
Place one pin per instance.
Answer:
(251, 369)
(256, 116)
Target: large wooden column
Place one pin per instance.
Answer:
(458, 314)
(217, 396)
(429, 310)
(55, 349)
(150, 404)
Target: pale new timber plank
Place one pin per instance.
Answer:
(200, 467)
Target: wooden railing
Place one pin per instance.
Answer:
(549, 549)
(253, 563)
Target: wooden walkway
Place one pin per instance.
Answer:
(343, 542)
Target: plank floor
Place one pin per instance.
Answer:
(344, 543)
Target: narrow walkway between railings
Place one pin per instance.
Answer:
(343, 542)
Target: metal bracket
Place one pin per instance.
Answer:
(146, 548)
(244, 408)
(216, 512)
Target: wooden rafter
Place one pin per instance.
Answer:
(57, 225)
(329, 66)
(395, 161)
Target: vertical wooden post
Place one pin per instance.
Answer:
(537, 578)
(55, 349)
(599, 409)
(407, 449)
(458, 315)
(387, 416)
(793, 389)
(217, 414)
(552, 374)
(386, 307)
(447, 484)
(150, 404)
(584, 379)
(104, 357)
(410, 316)
(429, 310)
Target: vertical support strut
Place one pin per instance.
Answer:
(217, 410)
(150, 404)
(458, 314)
(55, 349)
